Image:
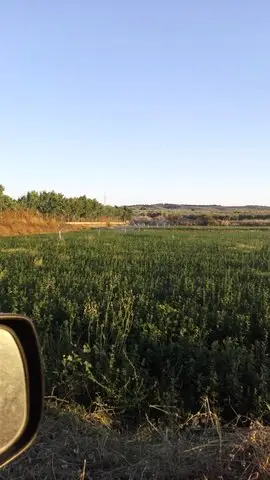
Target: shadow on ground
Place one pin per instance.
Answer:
(69, 447)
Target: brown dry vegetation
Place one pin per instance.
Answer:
(74, 445)
(101, 223)
(26, 222)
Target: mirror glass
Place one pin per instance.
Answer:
(13, 390)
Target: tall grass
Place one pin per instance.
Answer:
(146, 320)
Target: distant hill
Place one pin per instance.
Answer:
(183, 206)
(185, 214)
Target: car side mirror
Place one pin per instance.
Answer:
(21, 385)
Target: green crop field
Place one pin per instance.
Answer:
(145, 320)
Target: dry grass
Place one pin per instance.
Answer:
(74, 445)
(98, 224)
(27, 222)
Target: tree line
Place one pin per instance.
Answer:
(67, 208)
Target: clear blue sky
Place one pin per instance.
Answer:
(148, 100)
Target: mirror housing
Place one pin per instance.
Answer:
(21, 385)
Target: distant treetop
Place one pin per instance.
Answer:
(68, 208)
